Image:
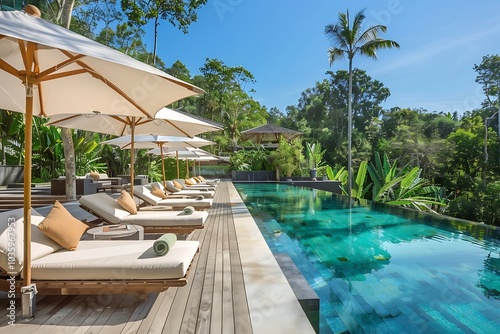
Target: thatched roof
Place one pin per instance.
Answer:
(269, 133)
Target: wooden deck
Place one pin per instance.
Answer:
(227, 291)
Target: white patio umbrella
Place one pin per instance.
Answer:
(194, 154)
(160, 142)
(188, 153)
(168, 121)
(46, 69)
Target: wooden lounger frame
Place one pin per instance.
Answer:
(140, 287)
(151, 229)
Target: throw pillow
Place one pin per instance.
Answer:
(201, 178)
(177, 185)
(158, 192)
(62, 227)
(127, 202)
(197, 179)
(95, 176)
(188, 182)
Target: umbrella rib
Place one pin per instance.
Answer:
(64, 120)
(111, 85)
(175, 126)
(57, 67)
(11, 70)
(40, 98)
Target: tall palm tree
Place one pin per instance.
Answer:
(348, 41)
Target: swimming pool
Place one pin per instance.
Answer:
(381, 272)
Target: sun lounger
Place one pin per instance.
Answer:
(212, 182)
(181, 193)
(107, 209)
(95, 267)
(145, 194)
(195, 185)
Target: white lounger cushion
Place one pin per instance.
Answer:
(115, 260)
(145, 194)
(106, 207)
(12, 254)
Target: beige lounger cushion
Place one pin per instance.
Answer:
(165, 218)
(145, 194)
(106, 207)
(115, 260)
(41, 245)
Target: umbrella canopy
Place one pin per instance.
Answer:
(46, 69)
(181, 152)
(167, 121)
(188, 153)
(67, 73)
(153, 141)
(160, 142)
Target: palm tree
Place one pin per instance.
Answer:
(348, 41)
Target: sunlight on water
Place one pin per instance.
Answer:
(377, 272)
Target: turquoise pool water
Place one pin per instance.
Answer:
(380, 272)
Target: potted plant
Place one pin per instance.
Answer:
(314, 158)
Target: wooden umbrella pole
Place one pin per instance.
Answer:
(132, 156)
(28, 132)
(177, 159)
(163, 168)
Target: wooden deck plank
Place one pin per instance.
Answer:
(49, 306)
(193, 306)
(160, 309)
(139, 313)
(90, 320)
(121, 315)
(242, 321)
(216, 300)
(74, 319)
(194, 302)
(227, 288)
(100, 323)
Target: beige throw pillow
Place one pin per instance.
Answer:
(177, 184)
(95, 176)
(127, 202)
(62, 227)
(158, 192)
(188, 182)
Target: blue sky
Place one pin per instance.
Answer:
(282, 43)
